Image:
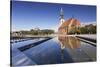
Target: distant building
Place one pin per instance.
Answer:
(16, 34)
(69, 25)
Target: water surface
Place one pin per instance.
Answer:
(61, 50)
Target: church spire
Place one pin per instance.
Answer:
(61, 16)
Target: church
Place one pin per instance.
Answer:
(70, 26)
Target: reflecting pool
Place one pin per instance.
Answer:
(61, 49)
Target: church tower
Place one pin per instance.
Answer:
(61, 16)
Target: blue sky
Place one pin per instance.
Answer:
(28, 15)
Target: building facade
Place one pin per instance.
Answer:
(70, 26)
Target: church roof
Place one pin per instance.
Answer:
(72, 21)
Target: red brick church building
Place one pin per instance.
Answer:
(68, 26)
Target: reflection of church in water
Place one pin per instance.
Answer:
(69, 42)
(72, 43)
(67, 26)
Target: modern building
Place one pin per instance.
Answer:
(69, 26)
